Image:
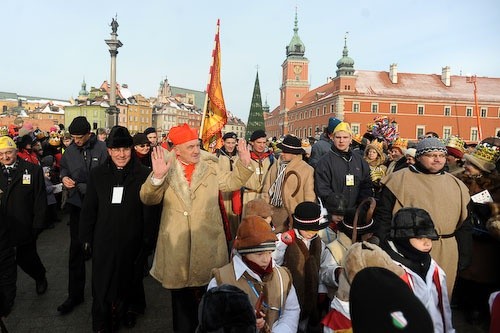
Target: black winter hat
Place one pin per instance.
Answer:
(364, 214)
(380, 301)
(291, 145)
(229, 135)
(336, 204)
(140, 138)
(24, 141)
(149, 130)
(257, 135)
(79, 126)
(226, 308)
(119, 137)
(308, 216)
(410, 222)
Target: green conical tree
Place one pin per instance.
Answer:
(256, 116)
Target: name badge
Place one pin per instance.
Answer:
(349, 180)
(117, 195)
(26, 179)
(258, 171)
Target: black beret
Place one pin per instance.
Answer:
(257, 135)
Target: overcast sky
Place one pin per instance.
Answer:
(49, 46)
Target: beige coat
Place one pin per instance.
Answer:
(253, 186)
(304, 187)
(191, 240)
(224, 165)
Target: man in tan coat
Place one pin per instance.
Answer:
(288, 182)
(427, 186)
(191, 240)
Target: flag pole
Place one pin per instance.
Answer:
(205, 104)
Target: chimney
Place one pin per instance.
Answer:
(393, 73)
(445, 76)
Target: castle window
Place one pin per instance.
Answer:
(420, 109)
(484, 112)
(473, 134)
(468, 111)
(374, 107)
(355, 107)
(447, 110)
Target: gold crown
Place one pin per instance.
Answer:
(487, 153)
(305, 143)
(4, 131)
(400, 143)
(455, 142)
(358, 138)
(378, 145)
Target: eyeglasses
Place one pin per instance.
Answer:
(143, 145)
(435, 156)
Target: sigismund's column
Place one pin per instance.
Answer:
(113, 44)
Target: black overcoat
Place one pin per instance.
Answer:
(116, 231)
(24, 202)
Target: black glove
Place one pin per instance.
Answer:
(87, 251)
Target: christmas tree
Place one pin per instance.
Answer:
(256, 116)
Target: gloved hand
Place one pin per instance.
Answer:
(288, 237)
(87, 251)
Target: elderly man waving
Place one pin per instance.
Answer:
(191, 240)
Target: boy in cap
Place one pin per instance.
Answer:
(267, 285)
(310, 262)
(409, 245)
(262, 159)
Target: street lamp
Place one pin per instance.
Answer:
(472, 79)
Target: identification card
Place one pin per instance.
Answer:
(26, 179)
(117, 195)
(349, 180)
(482, 197)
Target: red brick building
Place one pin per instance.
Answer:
(418, 103)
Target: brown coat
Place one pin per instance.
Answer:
(191, 240)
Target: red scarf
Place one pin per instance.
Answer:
(259, 157)
(257, 269)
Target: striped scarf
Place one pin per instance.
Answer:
(276, 190)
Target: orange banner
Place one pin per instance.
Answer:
(214, 115)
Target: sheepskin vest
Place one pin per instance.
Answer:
(275, 286)
(304, 265)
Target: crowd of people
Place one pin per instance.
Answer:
(297, 225)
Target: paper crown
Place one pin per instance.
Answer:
(358, 138)
(378, 145)
(484, 156)
(4, 131)
(400, 143)
(343, 127)
(455, 146)
(455, 142)
(305, 143)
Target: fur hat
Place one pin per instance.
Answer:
(291, 145)
(400, 310)
(6, 142)
(336, 204)
(181, 134)
(226, 308)
(254, 235)
(257, 134)
(259, 207)
(411, 222)
(411, 152)
(361, 255)
(308, 216)
(79, 126)
(24, 141)
(429, 144)
(119, 137)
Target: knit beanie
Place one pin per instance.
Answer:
(332, 123)
(430, 144)
(254, 235)
(79, 126)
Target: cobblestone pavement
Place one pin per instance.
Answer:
(33, 313)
